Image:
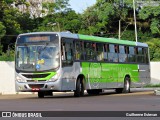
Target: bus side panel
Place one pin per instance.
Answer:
(69, 76)
(109, 75)
(144, 74)
(117, 72)
(130, 70)
(93, 74)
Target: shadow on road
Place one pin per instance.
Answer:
(70, 95)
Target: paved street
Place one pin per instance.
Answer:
(108, 101)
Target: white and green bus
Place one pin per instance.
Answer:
(47, 62)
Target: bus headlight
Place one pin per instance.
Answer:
(19, 79)
(54, 78)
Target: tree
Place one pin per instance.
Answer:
(2, 30)
(151, 15)
(154, 45)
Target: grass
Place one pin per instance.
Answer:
(152, 85)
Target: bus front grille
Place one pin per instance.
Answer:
(36, 80)
(35, 75)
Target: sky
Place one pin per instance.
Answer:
(80, 5)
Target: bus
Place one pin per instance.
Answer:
(48, 62)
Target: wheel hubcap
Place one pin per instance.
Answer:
(127, 85)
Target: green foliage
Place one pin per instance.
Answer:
(154, 46)
(155, 26)
(2, 30)
(151, 14)
(9, 56)
(101, 19)
(152, 85)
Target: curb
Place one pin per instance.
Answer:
(157, 92)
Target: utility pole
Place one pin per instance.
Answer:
(119, 36)
(135, 24)
(121, 5)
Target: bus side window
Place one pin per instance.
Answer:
(126, 52)
(140, 55)
(93, 51)
(113, 55)
(77, 50)
(63, 51)
(116, 47)
(122, 55)
(67, 52)
(87, 50)
(105, 51)
(100, 54)
(131, 54)
(146, 59)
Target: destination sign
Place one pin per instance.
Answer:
(37, 38)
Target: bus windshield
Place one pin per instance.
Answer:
(37, 57)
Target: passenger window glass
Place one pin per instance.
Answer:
(112, 56)
(67, 52)
(131, 50)
(121, 49)
(78, 50)
(100, 55)
(131, 55)
(111, 48)
(122, 54)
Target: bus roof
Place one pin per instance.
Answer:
(92, 38)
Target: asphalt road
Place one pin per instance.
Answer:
(108, 101)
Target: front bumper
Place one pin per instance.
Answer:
(40, 86)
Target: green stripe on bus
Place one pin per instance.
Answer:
(51, 74)
(109, 72)
(109, 40)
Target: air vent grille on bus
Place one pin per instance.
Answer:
(37, 80)
(35, 75)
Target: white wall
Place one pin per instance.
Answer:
(7, 85)
(7, 78)
(155, 72)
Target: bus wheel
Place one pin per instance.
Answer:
(126, 88)
(79, 88)
(41, 94)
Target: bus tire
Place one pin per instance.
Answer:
(79, 88)
(126, 88)
(41, 94)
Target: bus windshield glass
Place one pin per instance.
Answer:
(37, 57)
